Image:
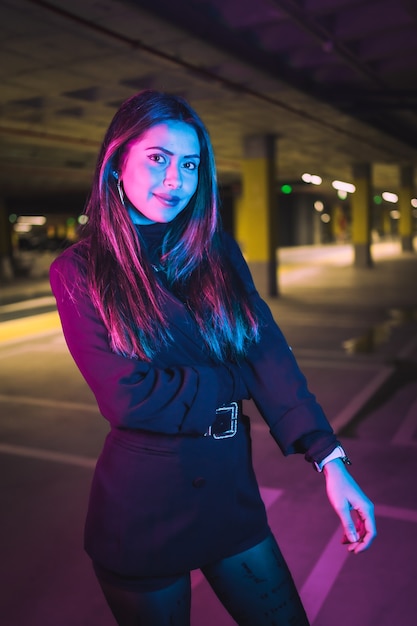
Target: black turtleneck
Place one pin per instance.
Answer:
(152, 235)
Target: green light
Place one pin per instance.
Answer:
(377, 199)
(286, 189)
(12, 218)
(70, 221)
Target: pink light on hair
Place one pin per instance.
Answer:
(121, 282)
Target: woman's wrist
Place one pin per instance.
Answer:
(335, 466)
(337, 453)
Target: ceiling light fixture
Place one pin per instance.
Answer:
(389, 197)
(340, 185)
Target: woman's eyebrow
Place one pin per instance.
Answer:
(186, 156)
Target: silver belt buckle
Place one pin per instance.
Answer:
(227, 417)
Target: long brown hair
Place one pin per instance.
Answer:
(120, 279)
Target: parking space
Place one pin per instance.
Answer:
(51, 433)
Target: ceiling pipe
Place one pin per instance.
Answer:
(50, 137)
(205, 73)
(316, 30)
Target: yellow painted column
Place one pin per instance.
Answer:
(256, 212)
(405, 194)
(361, 206)
(6, 269)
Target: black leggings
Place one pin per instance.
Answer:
(254, 586)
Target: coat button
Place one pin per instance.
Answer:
(199, 482)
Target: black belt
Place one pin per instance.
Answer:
(225, 424)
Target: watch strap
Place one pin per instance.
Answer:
(338, 453)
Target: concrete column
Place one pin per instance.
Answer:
(386, 222)
(338, 224)
(361, 203)
(6, 269)
(405, 194)
(256, 214)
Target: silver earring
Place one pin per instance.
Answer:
(120, 190)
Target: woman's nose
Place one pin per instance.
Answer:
(173, 177)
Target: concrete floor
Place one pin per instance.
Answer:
(354, 333)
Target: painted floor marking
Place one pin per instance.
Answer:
(270, 495)
(360, 399)
(48, 455)
(14, 348)
(323, 360)
(408, 349)
(326, 570)
(395, 512)
(26, 328)
(47, 403)
(406, 434)
(24, 305)
(323, 576)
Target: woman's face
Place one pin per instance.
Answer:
(160, 172)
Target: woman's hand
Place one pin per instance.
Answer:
(345, 495)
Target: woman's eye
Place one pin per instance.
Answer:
(190, 165)
(158, 158)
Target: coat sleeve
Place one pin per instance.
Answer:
(131, 393)
(277, 385)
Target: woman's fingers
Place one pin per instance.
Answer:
(360, 529)
(354, 527)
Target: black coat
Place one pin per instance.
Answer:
(165, 498)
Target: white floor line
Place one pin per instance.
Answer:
(408, 349)
(47, 455)
(23, 305)
(360, 399)
(395, 512)
(270, 495)
(326, 570)
(46, 402)
(14, 350)
(341, 363)
(323, 576)
(408, 428)
(56, 342)
(30, 337)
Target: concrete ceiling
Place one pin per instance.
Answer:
(335, 80)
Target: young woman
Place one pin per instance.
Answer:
(161, 316)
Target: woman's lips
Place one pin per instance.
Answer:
(167, 200)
